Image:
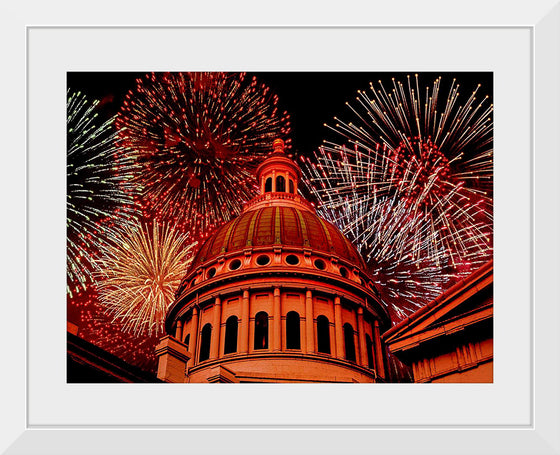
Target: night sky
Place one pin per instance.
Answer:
(311, 98)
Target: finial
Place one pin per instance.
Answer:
(278, 146)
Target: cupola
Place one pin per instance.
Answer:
(278, 173)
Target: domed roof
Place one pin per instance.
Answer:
(289, 226)
(279, 216)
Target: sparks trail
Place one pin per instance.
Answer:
(409, 179)
(96, 327)
(198, 138)
(98, 186)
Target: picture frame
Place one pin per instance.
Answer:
(43, 414)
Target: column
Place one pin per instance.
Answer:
(277, 322)
(338, 334)
(193, 338)
(309, 338)
(362, 338)
(378, 350)
(215, 341)
(244, 333)
(179, 330)
(274, 181)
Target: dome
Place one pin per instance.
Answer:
(275, 295)
(278, 217)
(278, 225)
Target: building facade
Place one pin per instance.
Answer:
(450, 339)
(275, 295)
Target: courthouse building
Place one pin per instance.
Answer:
(452, 338)
(275, 295)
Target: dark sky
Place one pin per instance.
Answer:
(311, 98)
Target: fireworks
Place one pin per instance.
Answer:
(98, 186)
(140, 270)
(97, 327)
(199, 137)
(407, 177)
(411, 184)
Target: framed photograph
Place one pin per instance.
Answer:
(518, 411)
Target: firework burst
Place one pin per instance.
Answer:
(410, 182)
(98, 186)
(140, 269)
(198, 137)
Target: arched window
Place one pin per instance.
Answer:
(350, 350)
(231, 335)
(292, 331)
(261, 330)
(268, 185)
(280, 184)
(187, 340)
(369, 347)
(205, 343)
(292, 186)
(323, 335)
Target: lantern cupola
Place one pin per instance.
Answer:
(278, 173)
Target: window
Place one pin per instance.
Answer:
(292, 186)
(187, 340)
(231, 335)
(205, 337)
(261, 330)
(235, 264)
(323, 335)
(263, 259)
(292, 331)
(280, 184)
(211, 272)
(320, 264)
(292, 259)
(268, 185)
(369, 348)
(350, 350)
(344, 272)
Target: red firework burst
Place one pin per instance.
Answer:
(198, 138)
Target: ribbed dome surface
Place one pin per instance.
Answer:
(286, 226)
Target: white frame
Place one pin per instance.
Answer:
(540, 436)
